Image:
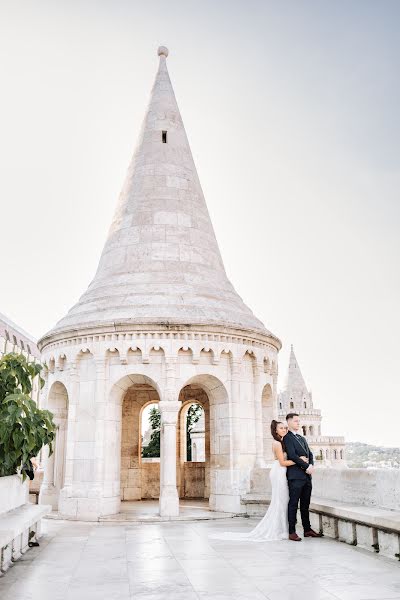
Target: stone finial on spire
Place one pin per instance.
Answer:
(163, 51)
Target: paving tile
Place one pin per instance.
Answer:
(77, 561)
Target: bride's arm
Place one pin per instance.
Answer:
(279, 455)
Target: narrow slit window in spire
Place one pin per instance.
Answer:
(164, 137)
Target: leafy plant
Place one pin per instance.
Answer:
(152, 450)
(24, 428)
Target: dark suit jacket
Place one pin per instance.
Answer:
(294, 449)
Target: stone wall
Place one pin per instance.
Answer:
(365, 487)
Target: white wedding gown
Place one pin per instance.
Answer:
(274, 525)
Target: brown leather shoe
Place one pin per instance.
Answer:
(313, 533)
(294, 537)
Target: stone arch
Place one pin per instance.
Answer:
(134, 355)
(193, 476)
(138, 478)
(267, 416)
(227, 352)
(118, 388)
(206, 355)
(185, 355)
(311, 430)
(55, 465)
(218, 470)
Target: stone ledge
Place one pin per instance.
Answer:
(374, 529)
(364, 515)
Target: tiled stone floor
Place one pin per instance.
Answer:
(177, 561)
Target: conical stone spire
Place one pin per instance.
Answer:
(161, 262)
(295, 384)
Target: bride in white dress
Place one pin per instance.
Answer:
(274, 525)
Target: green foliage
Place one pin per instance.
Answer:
(361, 456)
(24, 428)
(193, 415)
(152, 450)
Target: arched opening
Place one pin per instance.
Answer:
(55, 465)
(304, 428)
(267, 416)
(321, 455)
(335, 454)
(140, 441)
(206, 479)
(341, 454)
(193, 443)
(291, 405)
(311, 430)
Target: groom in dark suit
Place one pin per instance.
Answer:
(299, 478)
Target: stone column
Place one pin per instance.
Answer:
(169, 499)
(66, 504)
(107, 451)
(48, 492)
(258, 412)
(231, 481)
(100, 450)
(169, 408)
(235, 416)
(59, 450)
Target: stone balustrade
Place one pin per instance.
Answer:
(356, 506)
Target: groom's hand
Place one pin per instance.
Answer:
(310, 470)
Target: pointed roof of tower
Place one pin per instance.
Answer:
(161, 263)
(295, 383)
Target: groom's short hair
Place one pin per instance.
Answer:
(291, 415)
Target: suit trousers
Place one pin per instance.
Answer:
(299, 489)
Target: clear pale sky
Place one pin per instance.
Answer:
(292, 112)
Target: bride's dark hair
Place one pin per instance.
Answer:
(274, 433)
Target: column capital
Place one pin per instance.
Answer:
(169, 411)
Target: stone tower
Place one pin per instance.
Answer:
(295, 397)
(160, 322)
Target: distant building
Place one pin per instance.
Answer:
(14, 339)
(295, 397)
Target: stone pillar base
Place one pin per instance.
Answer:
(226, 503)
(87, 509)
(49, 494)
(169, 502)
